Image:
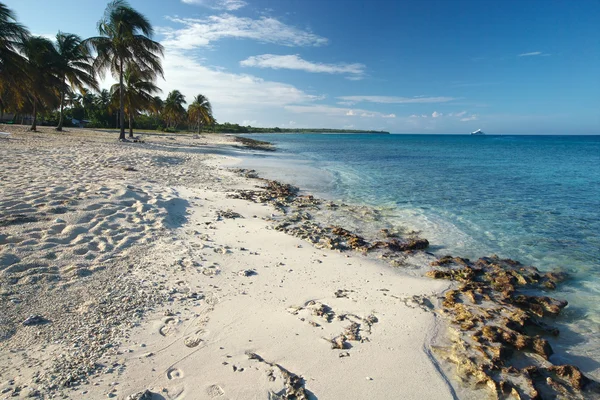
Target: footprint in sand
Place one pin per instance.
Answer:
(215, 391)
(195, 339)
(192, 341)
(174, 373)
(169, 327)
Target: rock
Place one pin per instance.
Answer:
(572, 374)
(497, 318)
(352, 332)
(386, 233)
(339, 342)
(229, 214)
(35, 320)
(397, 245)
(247, 272)
(144, 395)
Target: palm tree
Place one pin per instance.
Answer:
(88, 101)
(72, 99)
(103, 100)
(200, 112)
(125, 39)
(173, 110)
(42, 83)
(12, 64)
(156, 108)
(74, 67)
(138, 88)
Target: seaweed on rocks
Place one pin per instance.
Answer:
(499, 329)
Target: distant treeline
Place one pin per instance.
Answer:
(235, 128)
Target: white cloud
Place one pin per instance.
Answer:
(395, 100)
(336, 111)
(229, 5)
(235, 97)
(460, 115)
(202, 32)
(296, 63)
(533, 53)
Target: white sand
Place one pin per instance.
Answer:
(157, 227)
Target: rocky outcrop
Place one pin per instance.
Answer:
(298, 222)
(499, 335)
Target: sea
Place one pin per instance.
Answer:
(535, 199)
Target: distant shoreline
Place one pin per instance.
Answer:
(309, 131)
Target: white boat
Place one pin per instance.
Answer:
(478, 132)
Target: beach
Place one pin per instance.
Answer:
(131, 270)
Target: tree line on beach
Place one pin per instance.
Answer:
(58, 81)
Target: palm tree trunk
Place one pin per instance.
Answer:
(199, 125)
(130, 125)
(34, 125)
(62, 105)
(121, 102)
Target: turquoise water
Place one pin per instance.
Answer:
(535, 199)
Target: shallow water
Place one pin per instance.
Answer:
(535, 199)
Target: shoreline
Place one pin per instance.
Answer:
(278, 298)
(218, 249)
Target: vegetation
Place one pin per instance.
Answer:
(200, 112)
(235, 128)
(41, 80)
(125, 40)
(137, 87)
(12, 63)
(173, 111)
(55, 82)
(73, 67)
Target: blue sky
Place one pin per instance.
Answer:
(420, 66)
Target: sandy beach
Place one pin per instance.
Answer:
(130, 270)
